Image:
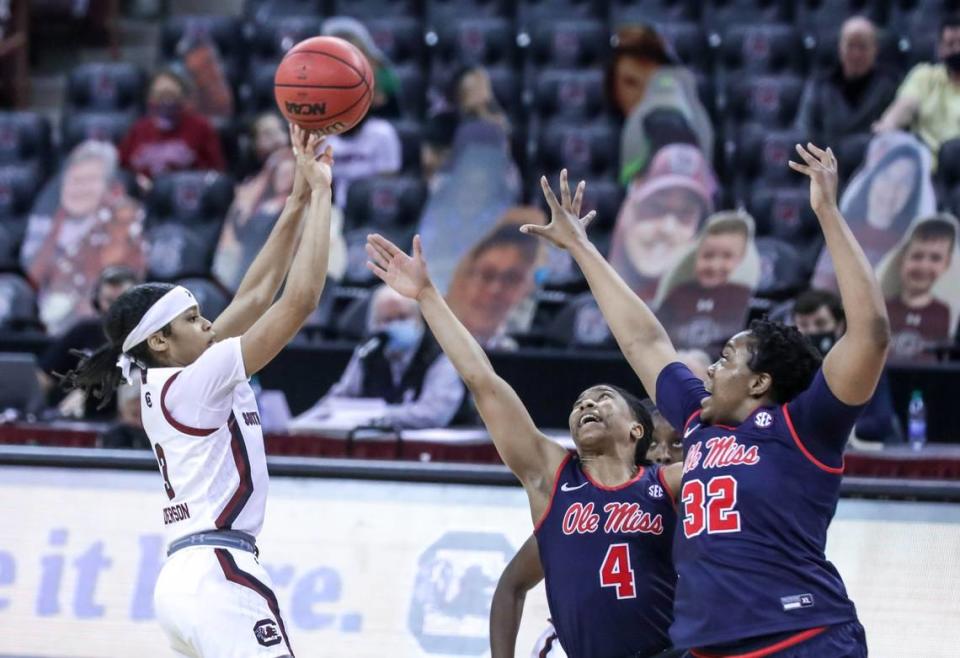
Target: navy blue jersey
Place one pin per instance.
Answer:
(606, 560)
(753, 512)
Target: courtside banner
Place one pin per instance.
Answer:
(369, 569)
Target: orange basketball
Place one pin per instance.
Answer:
(324, 84)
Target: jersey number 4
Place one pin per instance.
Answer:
(710, 506)
(617, 572)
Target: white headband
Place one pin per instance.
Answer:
(162, 313)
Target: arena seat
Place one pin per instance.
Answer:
(569, 94)
(25, 141)
(410, 132)
(631, 12)
(580, 324)
(782, 269)
(768, 100)
(18, 303)
(761, 48)
(105, 87)
(412, 89)
(850, 153)
(374, 8)
(948, 163)
(380, 202)
(399, 37)
(531, 13)
(784, 212)
(76, 127)
(567, 43)
(178, 250)
(717, 15)
(190, 198)
(211, 298)
(262, 10)
(688, 42)
(487, 41)
(761, 155)
(441, 14)
(586, 150)
(270, 39)
(256, 92)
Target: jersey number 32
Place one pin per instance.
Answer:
(710, 507)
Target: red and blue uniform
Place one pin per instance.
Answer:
(605, 553)
(753, 511)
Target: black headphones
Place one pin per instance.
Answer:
(113, 275)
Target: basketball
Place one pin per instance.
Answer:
(324, 84)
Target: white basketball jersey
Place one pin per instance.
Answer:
(207, 439)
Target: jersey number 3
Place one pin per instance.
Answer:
(162, 463)
(617, 572)
(710, 507)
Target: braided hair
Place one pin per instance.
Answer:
(97, 373)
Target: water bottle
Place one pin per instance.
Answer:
(917, 421)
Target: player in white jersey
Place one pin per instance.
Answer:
(212, 596)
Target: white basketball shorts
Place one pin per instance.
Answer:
(218, 603)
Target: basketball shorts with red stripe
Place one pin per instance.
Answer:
(214, 602)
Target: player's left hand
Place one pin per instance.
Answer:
(821, 167)
(566, 227)
(314, 158)
(300, 190)
(405, 274)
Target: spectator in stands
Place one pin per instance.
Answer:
(372, 147)
(850, 97)
(210, 91)
(705, 296)
(661, 215)
(256, 207)
(172, 137)
(657, 99)
(920, 279)
(496, 277)
(818, 315)
(470, 93)
(82, 221)
(403, 365)
(436, 147)
(84, 336)
(386, 101)
(928, 101)
(268, 135)
(127, 431)
(890, 190)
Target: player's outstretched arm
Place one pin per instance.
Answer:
(641, 337)
(308, 272)
(853, 367)
(531, 456)
(260, 284)
(520, 576)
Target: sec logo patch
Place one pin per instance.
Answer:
(763, 420)
(655, 491)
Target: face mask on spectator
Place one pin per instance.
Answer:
(953, 62)
(403, 335)
(165, 114)
(823, 342)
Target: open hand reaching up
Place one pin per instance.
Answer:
(405, 274)
(566, 227)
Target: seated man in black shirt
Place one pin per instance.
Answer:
(402, 365)
(85, 335)
(127, 431)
